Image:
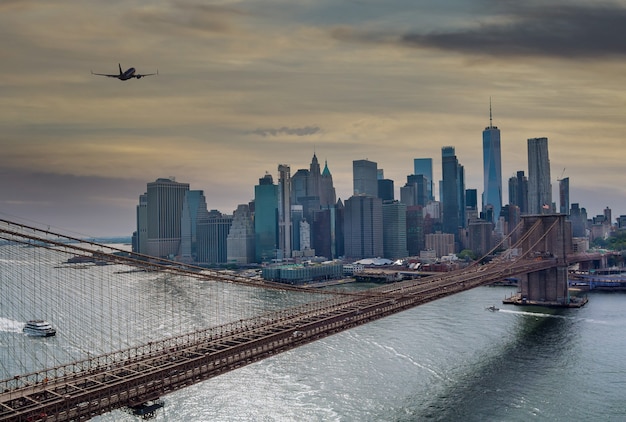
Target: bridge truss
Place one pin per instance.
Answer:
(141, 363)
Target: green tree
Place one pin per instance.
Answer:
(467, 255)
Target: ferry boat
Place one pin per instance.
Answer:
(39, 328)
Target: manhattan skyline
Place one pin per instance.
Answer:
(244, 86)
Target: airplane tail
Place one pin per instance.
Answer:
(120, 65)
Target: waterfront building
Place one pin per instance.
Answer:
(165, 198)
(365, 177)
(266, 219)
(213, 229)
(363, 227)
(303, 273)
(140, 237)
(194, 208)
(492, 169)
(539, 185)
(424, 166)
(240, 240)
(564, 195)
(394, 230)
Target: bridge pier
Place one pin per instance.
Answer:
(546, 237)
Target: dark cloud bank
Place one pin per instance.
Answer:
(527, 30)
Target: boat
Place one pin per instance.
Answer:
(493, 308)
(39, 328)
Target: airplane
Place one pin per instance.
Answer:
(128, 74)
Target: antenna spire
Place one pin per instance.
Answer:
(490, 114)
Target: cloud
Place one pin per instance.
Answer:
(562, 31)
(297, 131)
(188, 16)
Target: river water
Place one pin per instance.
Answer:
(449, 360)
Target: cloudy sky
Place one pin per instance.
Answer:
(246, 85)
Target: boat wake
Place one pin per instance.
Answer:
(535, 314)
(544, 315)
(10, 325)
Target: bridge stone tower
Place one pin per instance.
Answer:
(546, 237)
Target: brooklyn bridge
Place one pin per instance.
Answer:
(130, 344)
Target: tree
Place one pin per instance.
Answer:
(467, 255)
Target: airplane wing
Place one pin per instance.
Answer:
(145, 74)
(105, 74)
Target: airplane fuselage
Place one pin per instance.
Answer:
(128, 74)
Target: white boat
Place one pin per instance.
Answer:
(39, 328)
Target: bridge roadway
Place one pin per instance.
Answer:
(131, 377)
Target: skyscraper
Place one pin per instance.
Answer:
(363, 227)
(539, 186)
(284, 210)
(194, 209)
(327, 189)
(213, 228)
(492, 169)
(414, 230)
(518, 191)
(140, 238)
(300, 186)
(564, 195)
(265, 219)
(240, 240)
(385, 189)
(452, 192)
(424, 166)
(314, 177)
(165, 199)
(471, 205)
(365, 177)
(422, 186)
(578, 217)
(394, 230)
